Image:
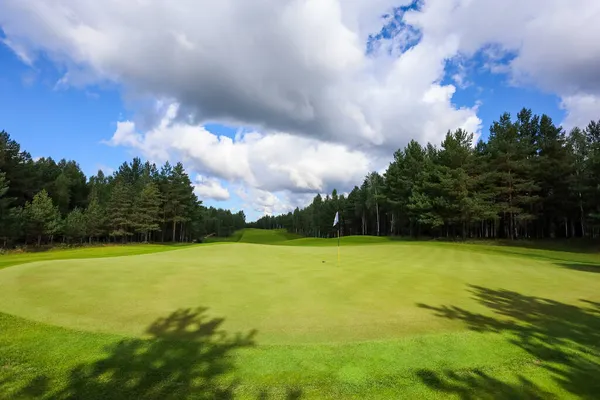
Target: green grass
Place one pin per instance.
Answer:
(392, 320)
(87, 252)
(237, 235)
(256, 236)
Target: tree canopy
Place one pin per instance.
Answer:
(44, 201)
(530, 179)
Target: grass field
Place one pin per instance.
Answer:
(270, 315)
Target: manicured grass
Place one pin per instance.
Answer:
(87, 252)
(392, 320)
(256, 236)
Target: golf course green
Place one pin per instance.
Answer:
(270, 315)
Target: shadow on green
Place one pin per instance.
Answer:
(561, 338)
(188, 356)
(581, 267)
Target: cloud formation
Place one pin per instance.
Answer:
(271, 162)
(330, 87)
(551, 44)
(210, 188)
(295, 66)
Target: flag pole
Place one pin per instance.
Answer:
(338, 245)
(336, 221)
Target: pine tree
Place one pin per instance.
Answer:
(94, 218)
(119, 210)
(146, 216)
(579, 183)
(179, 199)
(375, 196)
(61, 194)
(554, 171)
(5, 210)
(75, 224)
(412, 177)
(43, 218)
(513, 172)
(592, 132)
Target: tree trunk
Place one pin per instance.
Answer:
(39, 241)
(581, 216)
(377, 211)
(363, 223)
(174, 227)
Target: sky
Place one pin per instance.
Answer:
(269, 102)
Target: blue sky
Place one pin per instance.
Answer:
(321, 110)
(74, 123)
(69, 123)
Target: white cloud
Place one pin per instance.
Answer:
(210, 188)
(295, 66)
(273, 162)
(581, 110)
(264, 202)
(323, 110)
(552, 44)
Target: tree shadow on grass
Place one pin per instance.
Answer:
(188, 356)
(581, 267)
(477, 384)
(563, 339)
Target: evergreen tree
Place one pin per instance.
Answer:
(579, 183)
(146, 215)
(375, 196)
(74, 225)
(513, 171)
(94, 219)
(119, 210)
(43, 218)
(6, 213)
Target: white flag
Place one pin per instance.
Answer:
(336, 219)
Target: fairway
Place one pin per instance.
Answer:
(390, 315)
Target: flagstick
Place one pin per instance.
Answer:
(336, 221)
(338, 246)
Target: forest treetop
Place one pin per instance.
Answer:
(530, 179)
(44, 201)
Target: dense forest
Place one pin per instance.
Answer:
(45, 202)
(530, 179)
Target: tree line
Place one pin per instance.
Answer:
(530, 179)
(44, 202)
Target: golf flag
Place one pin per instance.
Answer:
(336, 220)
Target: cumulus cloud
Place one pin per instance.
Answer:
(328, 97)
(295, 66)
(581, 109)
(210, 188)
(272, 162)
(551, 44)
(272, 203)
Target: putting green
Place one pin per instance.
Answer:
(289, 294)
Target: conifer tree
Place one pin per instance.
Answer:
(75, 225)
(94, 218)
(43, 218)
(146, 215)
(119, 210)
